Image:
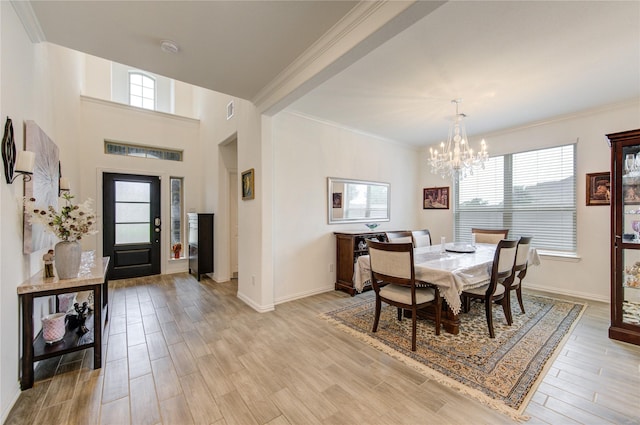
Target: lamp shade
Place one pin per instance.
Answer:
(65, 184)
(25, 162)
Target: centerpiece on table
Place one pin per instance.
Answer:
(70, 224)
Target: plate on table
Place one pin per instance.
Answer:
(464, 248)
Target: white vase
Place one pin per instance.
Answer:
(67, 260)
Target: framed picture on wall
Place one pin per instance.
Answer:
(248, 189)
(435, 198)
(337, 200)
(599, 189)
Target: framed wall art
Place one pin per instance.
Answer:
(435, 198)
(599, 189)
(248, 187)
(43, 186)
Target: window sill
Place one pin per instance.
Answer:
(560, 256)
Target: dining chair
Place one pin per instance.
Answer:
(491, 236)
(393, 280)
(501, 275)
(403, 236)
(421, 238)
(519, 270)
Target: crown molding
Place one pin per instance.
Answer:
(29, 20)
(346, 36)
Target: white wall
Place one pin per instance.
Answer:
(306, 152)
(589, 275)
(109, 120)
(173, 96)
(39, 83)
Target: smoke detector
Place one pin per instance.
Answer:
(169, 46)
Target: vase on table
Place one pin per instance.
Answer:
(67, 260)
(53, 327)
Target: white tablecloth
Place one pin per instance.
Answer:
(451, 272)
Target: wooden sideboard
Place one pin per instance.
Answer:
(349, 246)
(92, 277)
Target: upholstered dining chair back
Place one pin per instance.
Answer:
(501, 277)
(524, 245)
(491, 236)
(393, 280)
(399, 237)
(506, 256)
(421, 238)
(393, 263)
(519, 271)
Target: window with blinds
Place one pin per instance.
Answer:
(530, 193)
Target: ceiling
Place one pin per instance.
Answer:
(512, 63)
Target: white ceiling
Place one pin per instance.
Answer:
(512, 63)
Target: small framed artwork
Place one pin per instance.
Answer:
(248, 189)
(599, 189)
(337, 200)
(435, 198)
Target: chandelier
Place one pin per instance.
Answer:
(456, 158)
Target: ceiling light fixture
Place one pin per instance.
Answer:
(169, 46)
(455, 158)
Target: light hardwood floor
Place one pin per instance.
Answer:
(180, 351)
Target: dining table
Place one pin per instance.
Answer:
(452, 267)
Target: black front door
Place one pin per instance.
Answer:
(131, 224)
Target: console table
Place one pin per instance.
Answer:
(92, 277)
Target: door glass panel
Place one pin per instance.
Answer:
(133, 192)
(132, 233)
(132, 213)
(133, 219)
(631, 285)
(631, 194)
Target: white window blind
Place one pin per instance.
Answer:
(530, 193)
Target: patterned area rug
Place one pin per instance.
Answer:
(502, 372)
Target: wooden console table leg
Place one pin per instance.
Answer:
(97, 326)
(26, 380)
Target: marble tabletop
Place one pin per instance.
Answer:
(92, 270)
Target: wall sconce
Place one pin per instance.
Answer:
(64, 185)
(15, 165)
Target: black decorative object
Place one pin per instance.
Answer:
(78, 319)
(8, 151)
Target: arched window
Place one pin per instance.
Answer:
(142, 90)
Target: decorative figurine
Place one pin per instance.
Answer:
(48, 263)
(80, 317)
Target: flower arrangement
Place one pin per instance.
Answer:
(176, 248)
(71, 223)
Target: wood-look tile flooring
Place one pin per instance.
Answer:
(180, 351)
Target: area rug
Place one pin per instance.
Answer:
(502, 372)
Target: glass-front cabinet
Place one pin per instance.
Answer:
(625, 236)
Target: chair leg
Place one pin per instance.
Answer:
(414, 326)
(377, 318)
(438, 309)
(489, 313)
(519, 293)
(400, 311)
(466, 304)
(506, 306)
